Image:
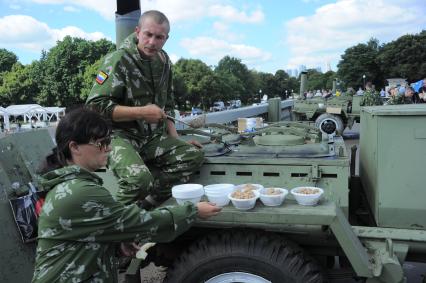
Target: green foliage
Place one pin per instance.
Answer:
(195, 74)
(65, 74)
(7, 60)
(360, 60)
(63, 70)
(89, 77)
(404, 57)
(19, 85)
(319, 81)
(233, 66)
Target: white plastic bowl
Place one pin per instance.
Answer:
(219, 189)
(244, 204)
(307, 199)
(218, 193)
(257, 187)
(273, 200)
(221, 200)
(187, 192)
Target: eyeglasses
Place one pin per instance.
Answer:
(102, 143)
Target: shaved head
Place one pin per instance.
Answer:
(156, 16)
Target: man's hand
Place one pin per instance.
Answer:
(207, 209)
(195, 143)
(129, 249)
(152, 113)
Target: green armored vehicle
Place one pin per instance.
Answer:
(332, 114)
(365, 226)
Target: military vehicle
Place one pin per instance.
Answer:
(331, 115)
(365, 226)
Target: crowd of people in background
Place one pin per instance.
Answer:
(399, 94)
(406, 94)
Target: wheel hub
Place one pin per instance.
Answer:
(328, 126)
(240, 277)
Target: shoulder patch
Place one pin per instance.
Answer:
(101, 77)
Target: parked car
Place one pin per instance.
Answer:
(196, 111)
(218, 106)
(233, 104)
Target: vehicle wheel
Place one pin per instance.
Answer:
(329, 124)
(245, 258)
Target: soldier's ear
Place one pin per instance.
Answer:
(74, 148)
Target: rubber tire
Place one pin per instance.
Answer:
(334, 118)
(264, 254)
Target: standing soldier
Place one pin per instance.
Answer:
(409, 97)
(134, 90)
(371, 97)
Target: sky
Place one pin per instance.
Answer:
(266, 35)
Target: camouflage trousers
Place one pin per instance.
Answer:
(152, 166)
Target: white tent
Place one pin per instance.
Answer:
(29, 111)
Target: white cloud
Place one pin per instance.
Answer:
(20, 31)
(335, 27)
(178, 10)
(71, 9)
(216, 49)
(105, 8)
(184, 10)
(231, 14)
(222, 31)
(174, 58)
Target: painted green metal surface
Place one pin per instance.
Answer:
(283, 166)
(348, 107)
(20, 154)
(274, 110)
(392, 158)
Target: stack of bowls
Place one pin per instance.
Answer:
(218, 193)
(188, 192)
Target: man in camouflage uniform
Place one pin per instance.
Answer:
(134, 90)
(371, 96)
(409, 97)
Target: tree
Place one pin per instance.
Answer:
(89, 77)
(63, 69)
(360, 60)
(7, 60)
(281, 79)
(19, 85)
(404, 57)
(230, 65)
(192, 73)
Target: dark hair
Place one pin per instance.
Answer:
(79, 125)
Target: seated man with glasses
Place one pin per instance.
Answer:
(134, 90)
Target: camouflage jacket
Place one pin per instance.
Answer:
(371, 98)
(127, 79)
(402, 99)
(80, 225)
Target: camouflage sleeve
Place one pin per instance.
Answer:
(100, 218)
(109, 88)
(170, 101)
